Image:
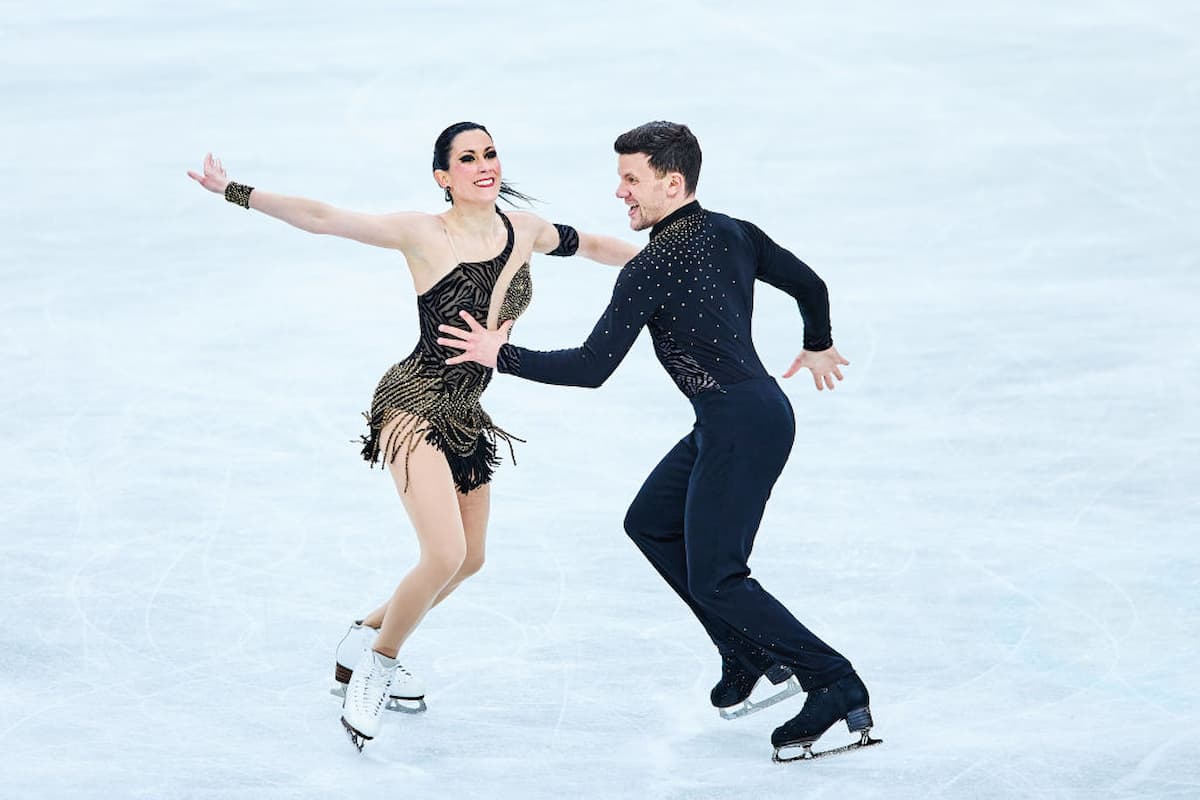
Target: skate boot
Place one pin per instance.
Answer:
(846, 699)
(406, 693)
(366, 696)
(739, 676)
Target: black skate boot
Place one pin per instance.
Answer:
(846, 699)
(737, 681)
(740, 673)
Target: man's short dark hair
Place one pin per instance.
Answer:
(671, 147)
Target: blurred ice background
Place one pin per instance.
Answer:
(994, 517)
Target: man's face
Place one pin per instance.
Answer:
(645, 193)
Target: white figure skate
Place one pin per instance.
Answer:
(405, 694)
(366, 696)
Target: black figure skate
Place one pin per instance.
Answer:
(731, 695)
(843, 699)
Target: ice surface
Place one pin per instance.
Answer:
(994, 517)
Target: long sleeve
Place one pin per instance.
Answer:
(631, 307)
(779, 268)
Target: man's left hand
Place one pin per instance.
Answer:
(823, 365)
(477, 342)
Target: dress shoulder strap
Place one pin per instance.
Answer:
(512, 238)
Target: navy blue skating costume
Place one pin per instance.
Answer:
(696, 516)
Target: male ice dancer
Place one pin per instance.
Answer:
(696, 516)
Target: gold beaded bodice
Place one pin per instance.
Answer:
(438, 397)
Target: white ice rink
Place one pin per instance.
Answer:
(995, 517)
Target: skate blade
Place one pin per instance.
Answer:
(406, 705)
(790, 687)
(403, 705)
(357, 739)
(807, 754)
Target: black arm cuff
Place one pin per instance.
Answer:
(568, 241)
(238, 193)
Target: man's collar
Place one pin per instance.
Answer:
(679, 213)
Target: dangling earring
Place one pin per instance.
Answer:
(449, 199)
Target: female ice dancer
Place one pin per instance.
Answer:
(425, 422)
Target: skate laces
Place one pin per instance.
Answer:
(378, 680)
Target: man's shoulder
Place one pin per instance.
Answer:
(658, 254)
(722, 224)
(649, 256)
(732, 230)
(683, 230)
(695, 231)
(729, 222)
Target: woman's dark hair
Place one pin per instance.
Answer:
(672, 147)
(441, 160)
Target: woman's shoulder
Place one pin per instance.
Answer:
(423, 220)
(524, 219)
(529, 227)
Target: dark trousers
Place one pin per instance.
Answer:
(696, 516)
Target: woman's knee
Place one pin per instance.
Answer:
(472, 563)
(444, 562)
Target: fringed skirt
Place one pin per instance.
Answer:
(432, 405)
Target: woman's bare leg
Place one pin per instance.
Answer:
(433, 508)
(473, 508)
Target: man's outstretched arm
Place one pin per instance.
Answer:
(587, 365)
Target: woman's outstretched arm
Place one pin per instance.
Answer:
(395, 231)
(563, 240)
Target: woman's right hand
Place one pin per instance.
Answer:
(214, 178)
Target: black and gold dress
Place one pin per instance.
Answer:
(440, 402)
